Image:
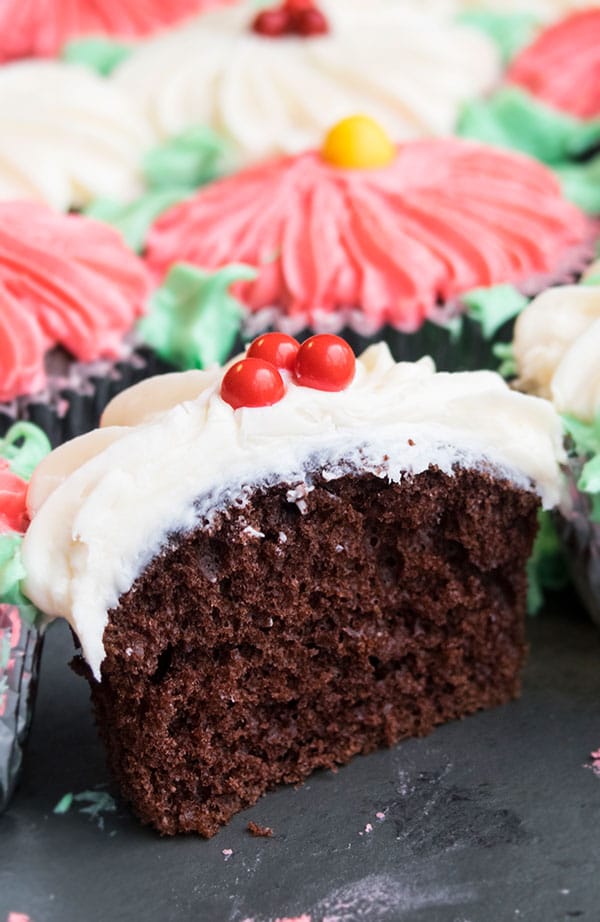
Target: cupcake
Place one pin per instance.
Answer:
(70, 293)
(288, 562)
(38, 28)
(550, 106)
(20, 631)
(556, 348)
(272, 83)
(407, 242)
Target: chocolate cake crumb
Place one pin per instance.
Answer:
(258, 662)
(259, 832)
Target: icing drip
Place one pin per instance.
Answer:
(562, 67)
(65, 280)
(443, 218)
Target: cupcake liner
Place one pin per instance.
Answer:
(20, 650)
(77, 394)
(580, 536)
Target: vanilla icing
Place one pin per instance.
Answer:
(104, 505)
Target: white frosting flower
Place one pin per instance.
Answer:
(557, 349)
(411, 69)
(104, 504)
(67, 136)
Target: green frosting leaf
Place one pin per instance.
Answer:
(505, 354)
(586, 436)
(24, 446)
(581, 185)
(589, 482)
(510, 31)
(101, 55)
(193, 320)
(12, 572)
(135, 219)
(493, 307)
(546, 568)
(513, 118)
(191, 159)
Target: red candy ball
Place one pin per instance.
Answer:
(277, 348)
(273, 23)
(252, 383)
(326, 363)
(311, 22)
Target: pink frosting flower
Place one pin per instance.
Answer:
(13, 500)
(444, 217)
(65, 280)
(562, 66)
(40, 28)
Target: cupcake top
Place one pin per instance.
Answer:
(270, 92)
(65, 280)
(68, 136)
(556, 347)
(365, 225)
(562, 67)
(40, 28)
(177, 450)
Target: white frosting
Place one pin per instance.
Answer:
(557, 349)
(68, 136)
(409, 69)
(97, 524)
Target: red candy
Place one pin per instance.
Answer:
(297, 17)
(326, 363)
(277, 348)
(13, 495)
(252, 383)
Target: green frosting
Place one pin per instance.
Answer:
(546, 568)
(493, 307)
(172, 172)
(101, 55)
(512, 118)
(505, 354)
(193, 320)
(581, 184)
(510, 31)
(12, 573)
(586, 440)
(24, 446)
(135, 219)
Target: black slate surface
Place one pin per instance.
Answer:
(490, 819)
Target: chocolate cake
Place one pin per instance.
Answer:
(261, 590)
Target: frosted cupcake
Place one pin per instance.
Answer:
(556, 348)
(366, 236)
(273, 83)
(20, 630)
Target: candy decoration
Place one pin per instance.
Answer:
(325, 362)
(293, 17)
(358, 143)
(252, 383)
(277, 348)
(13, 492)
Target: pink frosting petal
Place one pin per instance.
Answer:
(65, 280)
(40, 28)
(446, 216)
(13, 493)
(562, 67)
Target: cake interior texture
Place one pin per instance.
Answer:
(289, 636)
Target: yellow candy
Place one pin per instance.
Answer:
(358, 143)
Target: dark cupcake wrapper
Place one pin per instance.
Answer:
(66, 411)
(580, 537)
(20, 651)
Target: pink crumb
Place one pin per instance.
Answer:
(380, 815)
(303, 918)
(17, 917)
(368, 828)
(227, 852)
(595, 766)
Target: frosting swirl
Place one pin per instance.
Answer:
(40, 28)
(410, 69)
(444, 217)
(562, 67)
(65, 280)
(104, 504)
(556, 347)
(68, 136)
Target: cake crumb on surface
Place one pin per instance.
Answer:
(259, 832)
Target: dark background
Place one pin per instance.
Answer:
(490, 819)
